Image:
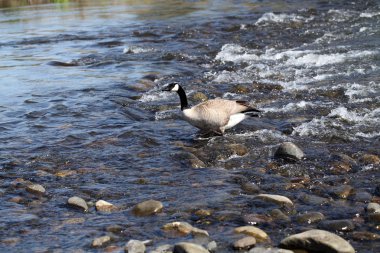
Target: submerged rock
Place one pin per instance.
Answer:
(370, 159)
(373, 208)
(289, 152)
(198, 97)
(277, 199)
(310, 217)
(342, 191)
(136, 246)
(245, 243)
(78, 202)
(147, 208)
(36, 189)
(365, 236)
(100, 241)
(166, 248)
(184, 228)
(271, 250)
(317, 241)
(186, 247)
(337, 225)
(104, 206)
(256, 232)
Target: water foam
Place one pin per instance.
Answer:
(270, 17)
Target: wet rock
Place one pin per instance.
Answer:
(255, 219)
(250, 188)
(364, 236)
(369, 159)
(342, 191)
(242, 89)
(212, 246)
(136, 246)
(373, 208)
(10, 240)
(166, 248)
(198, 97)
(277, 214)
(374, 217)
(313, 199)
(74, 221)
(101, 241)
(317, 241)
(340, 168)
(65, 173)
(116, 229)
(203, 212)
(289, 152)
(245, 243)
(78, 202)
(267, 87)
(237, 149)
(337, 225)
(188, 159)
(186, 247)
(112, 248)
(272, 250)
(36, 189)
(147, 208)
(256, 232)
(104, 206)
(310, 217)
(362, 196)
(277, 199)
(184, 228)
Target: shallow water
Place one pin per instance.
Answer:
(80, 93)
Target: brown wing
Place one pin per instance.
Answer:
(216, 113)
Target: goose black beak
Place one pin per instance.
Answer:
(166, 88)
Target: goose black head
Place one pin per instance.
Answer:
(172, 87)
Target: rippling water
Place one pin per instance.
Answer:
(80, 93)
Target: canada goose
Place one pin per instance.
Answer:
(214, 115)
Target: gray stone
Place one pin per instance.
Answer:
(136, 246)
(341, 191)
(78, 202)
(104, 206)
(310, 217)
(269, 250)
(256, 232)
(317, 241)
(166, 248)
(373, 208)
(362, 196)
(147, 208)
(100, 241)
(289, 152)
(186, 247)
(245, 243)
(365, 236)
(184, 228)
(250, 188)
(277, 214)
(337, 225)
(36, 189)
(212, 246)
(277, 199)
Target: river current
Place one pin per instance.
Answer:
(82, 113)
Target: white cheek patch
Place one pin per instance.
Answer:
(175, 88)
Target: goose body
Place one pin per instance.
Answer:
(214, 115)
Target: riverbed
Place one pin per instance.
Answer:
(82, 114)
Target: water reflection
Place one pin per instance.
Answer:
(146, 9)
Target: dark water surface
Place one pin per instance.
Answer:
(81, 113)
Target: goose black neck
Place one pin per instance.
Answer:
(183, 98)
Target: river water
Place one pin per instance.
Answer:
(81, 113)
